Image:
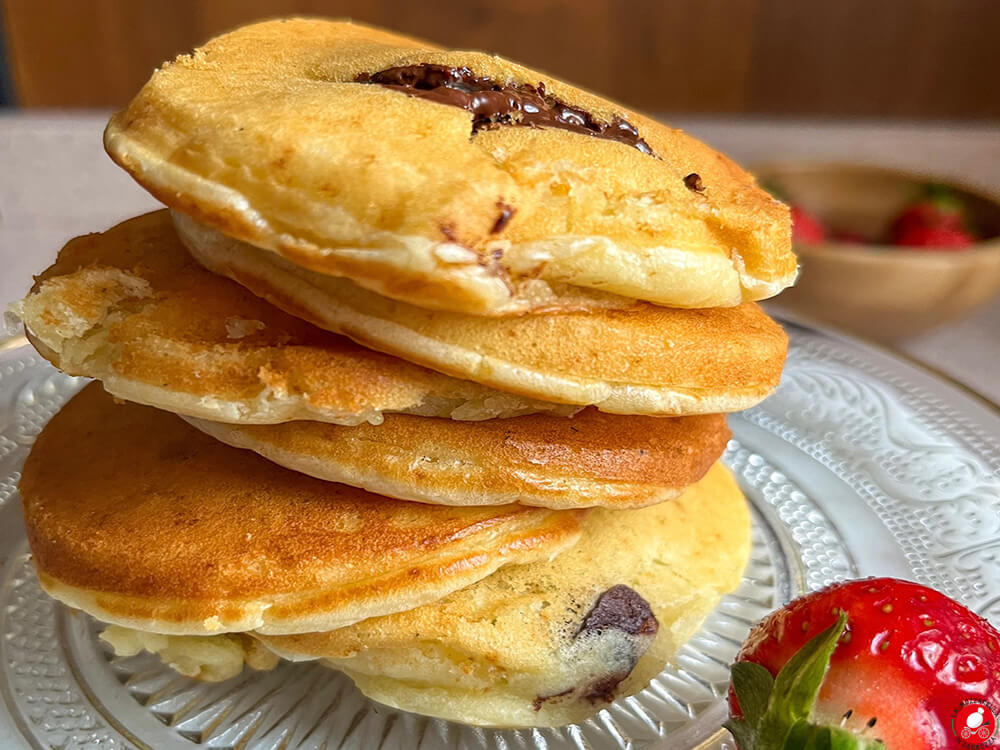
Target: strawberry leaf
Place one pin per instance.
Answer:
(776, 711)
(752, 684)
(943, 197)
(797, 685)
(744, 734)
(844, 739)
(773, 188)
(805, 735)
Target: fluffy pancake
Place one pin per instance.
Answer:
(209, 658)
(592, 459)
(267, 134)
(140, 520)
(644, 359)
(551, 643)
(131, 308)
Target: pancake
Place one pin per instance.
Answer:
(592, 459)
(551, 643)
(132, 309)
(644, 359)
(208, 658)
(140, 520)
(348, 151)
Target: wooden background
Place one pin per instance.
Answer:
(897, 58)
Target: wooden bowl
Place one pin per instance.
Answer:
(883, 291)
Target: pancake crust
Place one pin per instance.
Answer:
(547, 644)
(592, 459)
(140, 520)
(131, 308)
(265, 134)
(645, 359)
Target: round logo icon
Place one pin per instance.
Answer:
(975, 724)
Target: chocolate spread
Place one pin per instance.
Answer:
(493, 104)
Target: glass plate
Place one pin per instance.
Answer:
(860, 464)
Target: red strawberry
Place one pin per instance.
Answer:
(939, 219)
(806, 228)
(891, 665)
(939, 238)
(937, 211)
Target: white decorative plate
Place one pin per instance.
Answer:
(861, 464)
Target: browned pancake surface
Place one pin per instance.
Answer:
(591, 459)
(643, 359)
(151, 522)
(132, 308)
(266, 134)
(532, 645)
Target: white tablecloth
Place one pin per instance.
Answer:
(56, 182)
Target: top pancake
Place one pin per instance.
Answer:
(266, 134)
(131, 308)
(140, 520)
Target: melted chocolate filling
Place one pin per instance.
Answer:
(623, 609)
(620, 608)
(493, 104)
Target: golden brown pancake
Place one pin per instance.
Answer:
(138, 519)
(644, 359)
(592, 459)
(131, 308)
(314, 140)
(553, 642)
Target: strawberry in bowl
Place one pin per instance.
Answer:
(887, 253)
(806, 227)
(938, 221)
(865, 665)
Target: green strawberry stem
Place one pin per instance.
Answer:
(942, 196)
(774, 189)
(777, 711)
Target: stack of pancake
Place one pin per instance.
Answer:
(423, 377)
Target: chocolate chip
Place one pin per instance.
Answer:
(494, 104)
(693, 182)
(506, 214)
(619, 608)
(623, 609)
